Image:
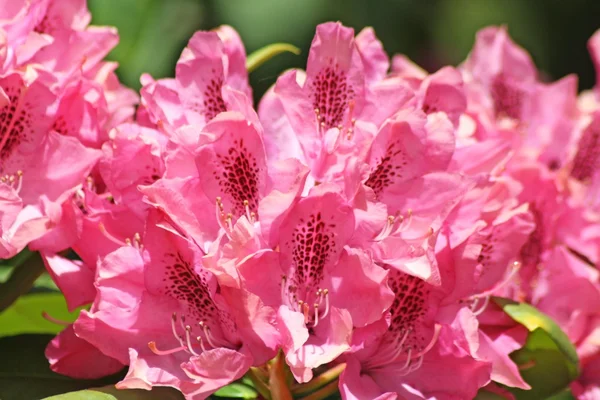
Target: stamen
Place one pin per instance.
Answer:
(137, 241)
(305, 312)
(155, 350)
(209, 338)
(515, 268)
(56, 321)
(229, 221)
(188, 341)
(19, 181)
(481, 309)
(316, 307)
(326, 296)
(436, 334)
(385, 358)
(408, 220)
(199, 339)
(247, 208)
(174, 329)
(90, 183)
(387, 229)
(111, 237)
(408, 359)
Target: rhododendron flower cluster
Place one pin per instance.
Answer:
(354, 226)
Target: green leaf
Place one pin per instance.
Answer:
(112, 393)
(532, 318)
(18, 259)
(25, 374)
(237, 391)
(25, 315)
(21, 280)
(548, 361)
(566, 395)
(152, 33)
(261, 56)
(485, 395)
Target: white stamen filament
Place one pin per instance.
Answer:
(188, 341)
(199, 340)
(249, 214)
(174, 329)
(316, 307)
(481, 309)
(326, 296)
(19, 181)
(387, 229)
(222, 220)
(207, 333)
(515, 268)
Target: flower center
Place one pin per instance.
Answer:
(331, 95)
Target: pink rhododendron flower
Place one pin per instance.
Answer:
(361, 220)
(168, 318)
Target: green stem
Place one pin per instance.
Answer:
(324, 392)
(277, 379)
(21, 280)
(320, 381)
(255, 375)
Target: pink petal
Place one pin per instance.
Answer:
(69, 355)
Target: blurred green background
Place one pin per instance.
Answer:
(431, 32)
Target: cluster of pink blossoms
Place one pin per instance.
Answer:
(363, 216)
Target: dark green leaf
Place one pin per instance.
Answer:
(27, 375)
(548, 362)
(18, 259)
(25, 315)
(21, 280)
(485, 395)
(532, 318)
(566, 395)
(237, 391)
(261, 56)
(112, 393)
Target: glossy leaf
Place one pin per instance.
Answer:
(532, 318)
(112, 393)
(25, 315)
(237, 391)
(261, 56)
(25, 374)
(548, 362)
